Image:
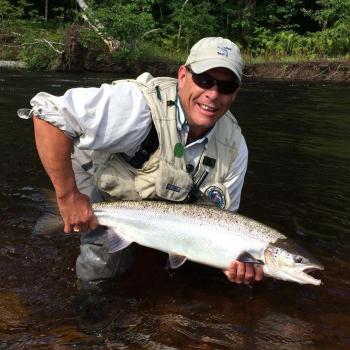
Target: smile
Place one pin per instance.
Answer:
(207, 108)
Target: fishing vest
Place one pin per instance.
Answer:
(164, 175)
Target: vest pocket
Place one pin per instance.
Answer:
(171, 183)
(115, 177)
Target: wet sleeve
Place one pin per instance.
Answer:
(235, 179)
(112, 117)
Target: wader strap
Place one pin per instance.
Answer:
(195, 193)
(148, 147)
(87, 166)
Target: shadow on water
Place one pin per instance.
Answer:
(298, 181)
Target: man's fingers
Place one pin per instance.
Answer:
(76, 228)
(259, 273)
(239, 272)
(67, 228)
(249, 273)
(93, 223)
(231, 272)
(81, 227)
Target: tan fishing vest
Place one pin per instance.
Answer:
(164, 175)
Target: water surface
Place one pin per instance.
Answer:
(298, 181)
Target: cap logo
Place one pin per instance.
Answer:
(223, 50)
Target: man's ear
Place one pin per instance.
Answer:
(181, 76)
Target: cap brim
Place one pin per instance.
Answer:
(203, 66)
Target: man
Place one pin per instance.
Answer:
(155, 138)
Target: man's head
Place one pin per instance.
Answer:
(209, 81)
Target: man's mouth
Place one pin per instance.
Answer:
(207, 107)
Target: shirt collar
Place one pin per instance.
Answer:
(183, 126)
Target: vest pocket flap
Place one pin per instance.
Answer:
(116, 177)
(171, 183)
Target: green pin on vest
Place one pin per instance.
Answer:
(179, 150)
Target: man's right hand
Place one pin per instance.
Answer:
(76, 212)
(54, 148)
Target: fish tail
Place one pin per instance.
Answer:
(50, 221)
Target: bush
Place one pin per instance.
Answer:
(125, 22)
(41, 48)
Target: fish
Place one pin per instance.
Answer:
(202, 234)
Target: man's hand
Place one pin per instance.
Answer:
(77, 212)
(54, 148)
(239, 272)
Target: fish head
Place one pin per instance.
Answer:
(286, 261)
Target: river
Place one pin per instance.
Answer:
(298, 181)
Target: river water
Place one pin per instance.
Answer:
(298, 181)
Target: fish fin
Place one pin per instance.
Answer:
(176, 261)
(115, 241)
(50, 221)
(47, 224)
(249, 259)
(48, 201)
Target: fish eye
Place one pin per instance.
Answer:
(298, 259)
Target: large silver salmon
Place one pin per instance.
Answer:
(205, 235)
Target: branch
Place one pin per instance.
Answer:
(150, 31)
(50, 44)
(111, 43)
(180, 25)
(39, 41)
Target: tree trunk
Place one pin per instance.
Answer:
(111, 43)
(180, 25)
(46, 10)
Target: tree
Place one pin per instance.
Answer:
(95, 24)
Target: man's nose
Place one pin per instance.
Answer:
(212, 92)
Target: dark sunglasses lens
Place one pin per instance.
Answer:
(227, 87)
(203, 80)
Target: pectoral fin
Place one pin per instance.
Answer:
(176, 261)
(249, 259)
(116, 242)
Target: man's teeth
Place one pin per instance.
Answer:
(207, 108)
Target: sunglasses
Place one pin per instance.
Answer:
(205, 81)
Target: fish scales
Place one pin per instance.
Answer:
(203, 234)
(200, 213)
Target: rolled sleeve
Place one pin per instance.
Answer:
(112, 117)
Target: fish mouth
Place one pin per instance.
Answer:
(303, 274)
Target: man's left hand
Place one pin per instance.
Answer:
(240, 272)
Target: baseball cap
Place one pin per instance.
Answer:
(214, 52)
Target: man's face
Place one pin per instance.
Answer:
(203, 107)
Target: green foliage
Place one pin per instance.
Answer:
(271, 29)
(11, 11)
(280, 14)
(331, 13)
(91, 40)
(190, 22)
(6, 9)
(41, 47)
(125, 21)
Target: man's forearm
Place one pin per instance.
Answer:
(54, 149)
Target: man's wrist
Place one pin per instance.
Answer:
(66, 194)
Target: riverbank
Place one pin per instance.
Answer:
(338, 71)
(9, 65)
